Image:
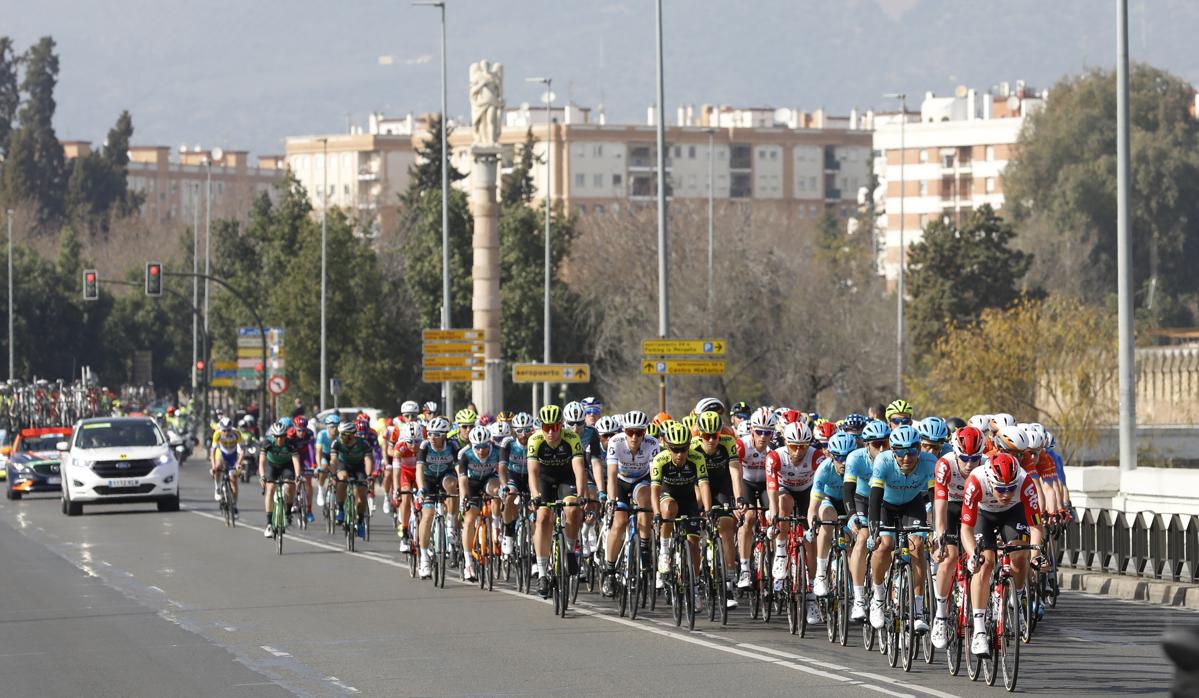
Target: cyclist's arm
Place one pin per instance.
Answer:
(969, 514)
(580, 468)
(655, 486)
(261, 463)
(876, 503)
(735, 476)
(368, 462)
(462, 469)
(295, 463)
(814, 506)
(705, 493)
(598, 472)
(772, 484)
(534, 466)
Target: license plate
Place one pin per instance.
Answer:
(54, 480)
(123, 483)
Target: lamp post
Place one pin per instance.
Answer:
(195, 279)
(549, 192)
(446, 396)
(663, 305)
(207, 237)
(11, 337)
(1127, 364)
(899, 354)
(711, 227)
(324, 260)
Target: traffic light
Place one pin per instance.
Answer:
(153, 278)
(200, 365)
(91, 285)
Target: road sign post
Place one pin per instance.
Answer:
(453, 355)
(551, 373)
(683, 347)
(682, 367)
(657, 362)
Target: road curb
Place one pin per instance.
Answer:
(1153, 591)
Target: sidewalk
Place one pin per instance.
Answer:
(1155, 591)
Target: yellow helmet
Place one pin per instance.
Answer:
(710, 422)
(551, 414)
(676, 433)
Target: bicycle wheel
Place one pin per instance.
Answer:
(843, 598)
(755, 585)
(279, 518)
(1031, 597)
(720, 580)
(799, 585)
(994, 613)
(673, 583)
(563, 570)
(788, 595)
(688, 584)
(955, 614)
(908, 615)
(704, 575)
(926, 638)
(766, 575)
(620, 582)
(350, 518)
(831, 604)
(650, 571)
(441, 555)
(891, 619)
(413, 552)
(1008, 638)
(634, 589)
(329, 512)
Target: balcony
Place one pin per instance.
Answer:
(367, 175)
(740, 157)
(832, 194)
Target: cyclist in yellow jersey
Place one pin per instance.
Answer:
(556, 472)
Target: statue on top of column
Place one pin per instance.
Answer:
(487, 101)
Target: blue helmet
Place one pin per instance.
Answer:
(286, 422)
(933, 429)
(875, 429)
(904, 437)
(332, 420)
(854, 422)
(842, 444)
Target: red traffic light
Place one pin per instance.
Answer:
(91, 278)
(200, 365)
(153, 278)
(154, 270)
(91, 285)
(258, 367)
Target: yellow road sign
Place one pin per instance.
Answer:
(224, 365)
(451, 361)
(668, 347)
(221, 383)
(473, 335)
(434, 348)
(451, 376)
(681, 367)
(551, 373)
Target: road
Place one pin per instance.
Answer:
(125, 601)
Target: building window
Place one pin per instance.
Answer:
(923, 188)
(616, 179)
(990, 153)
(580, 152)
(582, 208)
(922, 220)
(923, 156)
(598, 181)
(691, 152)
(580, 180)
(990, 185)
(598, 151)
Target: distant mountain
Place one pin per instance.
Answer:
(247, 74)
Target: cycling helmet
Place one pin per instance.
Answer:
(301, 423)
(347, 428)
(466, 417)
(574, 413)
(248, 419)
(286, 422)
(933, 430)
(636, 419)
(485, 420)
(662, 418)
(1003, 471)
(968, 441)
(479, 436)
(411, 432)
(1001, 420)
(824, 431)
(709, 404)
(522, 420)
(982, 422)
(842, 444)
(1035, 436)
(362, 424)
(875, 429)
(709, 422)
(438, 426)
(430, 406)
(499, 430)
(691, 422)
(675, 433)
(797, 433)
(503, 416)
(742, 409)
(277, 430)
(1050, 440)
(332, 420)
(551, 414)
(788, 416)
(763, 419)
(409, 407)
(954, 423)
(592, 405)
(898, 406)
(225, 424)
(854, 423)
(904, 437)
(654, 429)
(607, 426)
(1012, 438)
(171, 410)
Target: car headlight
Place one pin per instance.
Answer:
(83, 463)
(164, 459)
(20, 467)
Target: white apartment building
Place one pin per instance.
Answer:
(953, 158)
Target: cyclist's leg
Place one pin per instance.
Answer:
(889, 516)
(949, 563)
(343, 475)
(824, 534)
(670, 509)
(473, 490)
(620, 521)
(783, 528)
(360, 489)
(449, 483)
(802, 500)
(914, 515)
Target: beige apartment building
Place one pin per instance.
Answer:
(954, 155)
(175, 190)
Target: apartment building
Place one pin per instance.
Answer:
(953, 155)
(175, 190)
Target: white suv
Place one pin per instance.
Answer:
(118, 460)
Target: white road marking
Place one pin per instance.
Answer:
(277, 653)
(344, 686)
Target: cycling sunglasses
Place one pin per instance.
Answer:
(634, 432)
(524, 430)
(901, 452)
(971, 459)
(551, 428)
(679, 449)
(572, 425)
(710, 437)
(1006, 489)
(764, 432)
(901, 420)
(839, 459)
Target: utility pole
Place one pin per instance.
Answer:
(903, 156)
(549, 194)
(12, 354)
(663, 291)
(1127, 359)
(324, 263)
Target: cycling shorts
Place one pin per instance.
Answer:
(279, 472)
(1009, 524)
(721, 485)
(557, 484)
(953, 518)
(626, 491)
(353, 471)
(408, 478)
(861, 505)
(228, 461)
(800, 498)
(476, 488)
(837, 505)
(688, 504)
(755, 493)
(519, 481)
(907, 515)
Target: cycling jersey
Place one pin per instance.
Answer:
(828, 483)
(403, 455)
(631, 467)
(718, 461)
(753, 461)
(980, 496)
(591, 445)
(949, 482)
(324, 441)
(897, 487)
(1043, 468)
(1059, 464)
(352, 456)
(516, 455)
(436, 463)
(304, 444)
(786, 473)
(555, 458)
(858, 469)
(227, 443)
(663, 470)
(277, 455)
(470, 465)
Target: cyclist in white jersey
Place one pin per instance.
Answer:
(752, 451)
(629, 456)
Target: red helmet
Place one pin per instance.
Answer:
(825, 430)
(792, 416)
(362, 424)
(300, 422)
(291, 434)
(171, 409)
(968, 441)
(1003, 471)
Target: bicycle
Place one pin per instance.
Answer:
(633, 577)
(486, 552)
(439, 544)
(835, 606)
(899, 626)
(329, 511)
(407, 530)
(760, 589)
(559, 572)
(958, 613)
(680, 579)
(522, 551)
(228, 503)
(1003, 618)
(300, 504)
(714, 568)
(351, 516)
(279, 513)
(794, 585)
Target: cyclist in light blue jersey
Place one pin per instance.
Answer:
(514, 454)
(828, 502)
(324, 443)
(859, 466)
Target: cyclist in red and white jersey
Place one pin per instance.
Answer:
(752, 451)
(948, 491)
(789, 474)
(403, 465)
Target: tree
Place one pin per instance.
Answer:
(1050, 360)
(425, 172)
(10, 97)
(517, 186)
(42, 164)
(954, 273)
(1063, 184)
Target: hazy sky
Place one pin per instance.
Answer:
(248, 73)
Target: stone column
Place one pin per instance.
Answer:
(487, 394)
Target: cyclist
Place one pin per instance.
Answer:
(575, 416)
(353, 458)
(720, 452)
(828, 502)
(248, 428)
(950, 478)
(751, 453)
(368, 434)
(739, 414)
(900, 490)
(789, 473)
(593, 409)
(675, 475)
(278, 453)
(934, 436)
(226, 457)
(1000, 500)
(479, 470)
(324, 442)
(409, 411)
(853, 424)
(427, 412)
(515, 457)
(859, 467)
(899, 413)
(304, 443)
(403, 454)
(557, 471)
(630, 455)
(464, 421)
(435, 460)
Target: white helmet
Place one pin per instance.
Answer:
(479, 436)
(742, 429)
(1012, 438)
(412, 432)
(439, 426)
(607, 426)
(982, 422)
(1050, 440)
(763, 418)
(499, 430)
(1001, 420)
(574, 413)
(636, 419)
(409, 407)
(1036, 436)
(797, 433)
(708, 404)
(522, 420)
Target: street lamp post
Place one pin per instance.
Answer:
(549, 190)
(899, 354)
(663, 305)
(195, 279)
(12, 355)
(711, 228)
(1125, 347)
(208, 236)
(324, 262)
(446, 395)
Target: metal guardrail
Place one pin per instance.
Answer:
(1145, 544)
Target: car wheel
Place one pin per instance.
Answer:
(12, 494)
(68, 507)
(169, 504)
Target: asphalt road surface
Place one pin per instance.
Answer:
(125, 601)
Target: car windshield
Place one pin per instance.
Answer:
(117, 434)
(43, 442)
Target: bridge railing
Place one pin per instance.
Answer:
(1144, 544)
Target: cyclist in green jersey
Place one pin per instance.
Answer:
(352, 457)
(277, 460)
